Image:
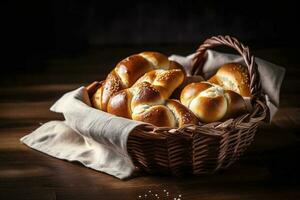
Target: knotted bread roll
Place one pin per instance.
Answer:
(233, 76)
(127, 72)
(147, 100)
(210, 102)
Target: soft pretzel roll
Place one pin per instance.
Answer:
(127, 72)
(233, 76)
(210, 102)
(146, 100)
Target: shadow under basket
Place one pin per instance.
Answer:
(204, 148)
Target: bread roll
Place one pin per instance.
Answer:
(210, 102)
(187, 80)
(147, 100)
(233, 76)
(170, 114)
(127, 72)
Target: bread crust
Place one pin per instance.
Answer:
(233, 76)
(147, 100)
(210, 102)
(127, 72)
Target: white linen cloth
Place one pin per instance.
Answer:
(95, 138)
(98, 139)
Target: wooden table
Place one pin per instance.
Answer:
(270, 169)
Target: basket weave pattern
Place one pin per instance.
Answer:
(203, 148)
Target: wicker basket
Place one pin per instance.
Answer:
(205, 148)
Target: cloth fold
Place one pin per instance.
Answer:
(98, 139)
(95, 138)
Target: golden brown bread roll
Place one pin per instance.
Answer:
(210, 102)
(146, 100)
(170, 114)
(127, 72)
(233, 76)
(187, 80)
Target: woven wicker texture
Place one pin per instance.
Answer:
(203, 148)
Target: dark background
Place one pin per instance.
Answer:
(34, 32)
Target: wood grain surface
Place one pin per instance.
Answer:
(268, 170)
